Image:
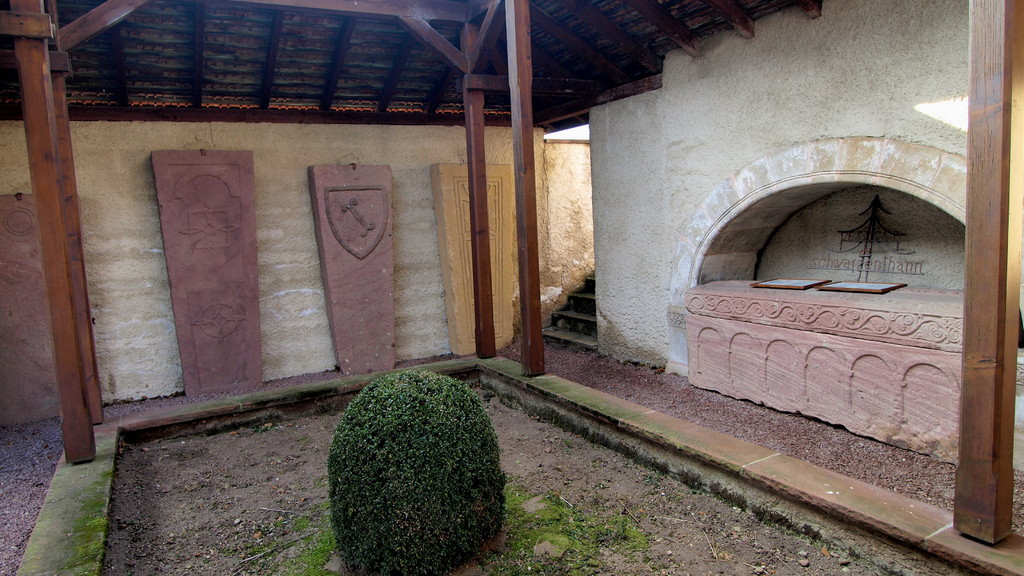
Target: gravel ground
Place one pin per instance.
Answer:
(29, 452)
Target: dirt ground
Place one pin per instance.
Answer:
(242, 502)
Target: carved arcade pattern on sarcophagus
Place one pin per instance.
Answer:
(208, 220)
(885, 366)
(352, 219)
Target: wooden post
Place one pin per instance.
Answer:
(483, 292)
(73, 224)
(520, 75)
(44, 165)
(984, 477)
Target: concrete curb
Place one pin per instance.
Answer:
(910, 537)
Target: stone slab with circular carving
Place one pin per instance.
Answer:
(208, 221)
(27, 374)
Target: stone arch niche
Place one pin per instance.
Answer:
(723, 242)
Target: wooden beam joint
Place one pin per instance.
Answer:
(26, 25)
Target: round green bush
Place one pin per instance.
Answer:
(415, 482)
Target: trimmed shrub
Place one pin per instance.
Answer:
(415, 482)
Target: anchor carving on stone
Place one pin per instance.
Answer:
(357, 217)
(351, 207)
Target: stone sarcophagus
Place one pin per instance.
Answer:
(881, 365)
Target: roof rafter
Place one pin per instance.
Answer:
(337, 62)
(433, 39)
(551, 26)
(606, 27)
(121, 90)
(198, 47)
(734, 15)
(490, 30)
(97, 21)
(663, 20)
(579, 107)
(424, 9)
(396, 74)
(434, 98)
(273, 47)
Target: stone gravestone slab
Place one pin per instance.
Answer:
(27, 376)
(208, 219)
(450, 183)
(352, 217)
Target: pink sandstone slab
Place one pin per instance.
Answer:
(843, 358)
(352, 218)
(208, 219)
(27, 376)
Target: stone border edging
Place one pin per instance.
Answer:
(70, 533)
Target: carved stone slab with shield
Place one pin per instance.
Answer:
(208, 219)
(352, 218)
(27, 374)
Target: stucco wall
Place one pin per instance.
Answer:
(857, 71)
(134, 328)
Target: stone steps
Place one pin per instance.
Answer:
(576, 323)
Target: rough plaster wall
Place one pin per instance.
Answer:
(135, 340)
(570, 230)
(632, 251)
(859, 70)
(931, 238)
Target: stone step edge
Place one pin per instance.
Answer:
(571, 338)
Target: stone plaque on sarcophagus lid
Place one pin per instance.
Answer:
(352, 218)
(27, 375)
(208, 219)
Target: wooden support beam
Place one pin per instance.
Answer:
(479, 223)
(490, 31)
(581, 47)
(270, 66)
(96, 21)
(520, 68)
(341, 47)
(59, 61)
(606, 27)
(562, 86)
(995, 178)
(423, 9)
(198, 49)
(579, 107)
(76, 252)
(734, 15)
(255, 115)
(396, 75)
(25, 25)
(45, 170)
(811, 7)
(663, 20)
(432, 39)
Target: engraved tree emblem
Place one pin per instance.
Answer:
(871, 235)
